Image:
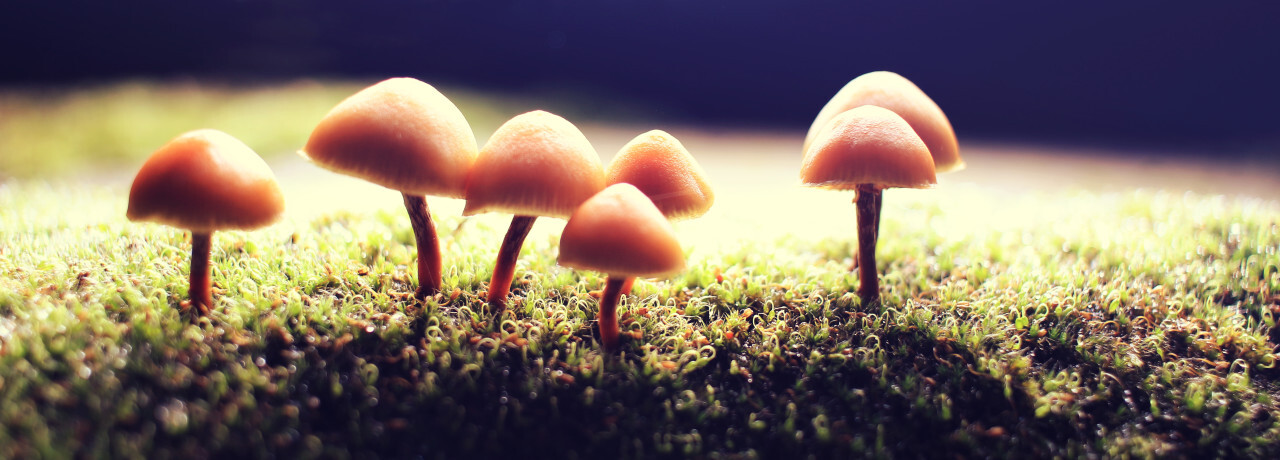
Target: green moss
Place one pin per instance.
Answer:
(1136, 324)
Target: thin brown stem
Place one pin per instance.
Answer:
(200, 291)
(609, 311)
(879, 198)
(504, 270)
(424, 230)
(626, 287)
(868, 215)
(854, 266)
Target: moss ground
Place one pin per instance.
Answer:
(1121, 324)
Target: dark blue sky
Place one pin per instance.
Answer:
(1145, 73)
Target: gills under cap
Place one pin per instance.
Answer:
(868, 145)
(402, 134)
(620, 232)
(204, 181)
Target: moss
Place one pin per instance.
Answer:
(1136, 324)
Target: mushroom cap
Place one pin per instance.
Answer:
(620, 232)
(401, 134)
(896, 93)
(657, 164)
(536, 164)
(203, 181)
(868, 145)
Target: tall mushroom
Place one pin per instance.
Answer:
(404, 135)
(204, 181)
(621, 233)
(537, 164)
(658, 164)
(868, 149)
(896, 93)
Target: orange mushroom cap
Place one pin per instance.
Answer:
(203, 181)
(896, 93)
(536, 164)
(868, 145)
(657, 164)
(620, 232)
(401, 134)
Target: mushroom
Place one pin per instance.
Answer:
(621, 233)
(868, 149)
(404, 135)
(896, 93)
(656, 163)
(203, 181)
(537, 164)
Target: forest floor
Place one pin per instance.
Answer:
(1043, 301)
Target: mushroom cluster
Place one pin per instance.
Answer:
(898, 94)
(659, 166)
(879, 132)
(868, 149)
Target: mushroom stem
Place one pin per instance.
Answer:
(424, 230)
(868, 215)
(201, 297)
(854, 266)
(609, 311)
(504, 270)
(626, 287)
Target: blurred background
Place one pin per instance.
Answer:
(88, 83)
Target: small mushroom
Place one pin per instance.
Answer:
(204, 181)
(658, 164)
(896, 93)
(537, 164)
(868, 149)
(900, 95)
(404, 135)
(621, 233)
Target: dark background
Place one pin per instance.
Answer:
(1168, 74)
